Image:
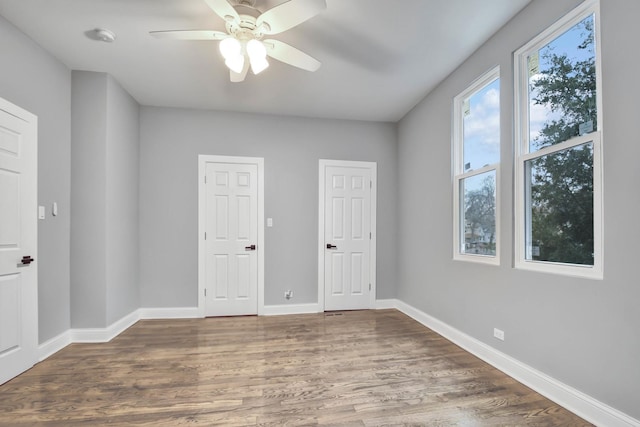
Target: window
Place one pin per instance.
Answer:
(476, 151)
(558, 148)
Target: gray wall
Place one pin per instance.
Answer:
(579, 331)
(122, 167)
(88, 202)
(171, 140)
(582, 332)
(34, 80)
(104, 195)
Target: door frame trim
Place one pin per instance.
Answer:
(203, 159)
(373, 167)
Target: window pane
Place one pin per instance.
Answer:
(478, 213)
(481, 127)
(562, 87)
(560, 208)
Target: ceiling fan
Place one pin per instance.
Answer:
(243, 45)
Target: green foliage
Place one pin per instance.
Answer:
(562, 183)
(562, 199)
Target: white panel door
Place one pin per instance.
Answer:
(347, 238)
(231, 239)
(18, 239)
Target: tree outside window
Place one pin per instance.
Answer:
(559, 152)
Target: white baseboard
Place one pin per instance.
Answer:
(574, 400)
(275, 310)
(54, 345)
(97, 335)
(169, 313)
(382, 304)
(94, 335)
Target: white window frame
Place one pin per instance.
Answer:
(522, 154)
(459, 175)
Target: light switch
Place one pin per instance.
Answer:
(40, 212)
(269, 222)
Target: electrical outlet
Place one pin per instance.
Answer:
(288, 294)
(498, 334)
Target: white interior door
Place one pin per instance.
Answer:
(18, 239)
(231, 286)
(347, 237)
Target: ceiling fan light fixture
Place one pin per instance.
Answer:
(257, 56)
(230, 48)
(256, 49)
(258, 65)
(235, 63)
(242, 46)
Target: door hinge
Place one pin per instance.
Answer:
(205, 179)
(370, 184)
(205, 235)
(369, 286)
(205, 292)
(370, 236)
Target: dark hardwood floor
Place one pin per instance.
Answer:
(360, 368)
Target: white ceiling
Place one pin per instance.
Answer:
(379, 57)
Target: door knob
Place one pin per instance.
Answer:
(26, 260)
(250, 248)
(330, 246)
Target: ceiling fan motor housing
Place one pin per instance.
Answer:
(250, 3)
(246, 28)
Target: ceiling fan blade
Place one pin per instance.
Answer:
(290, 55)
(239, 77)
(287, 15)
(223, 9)
(189, 35)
